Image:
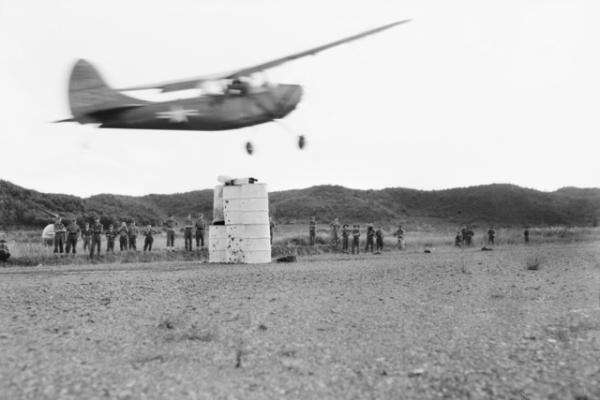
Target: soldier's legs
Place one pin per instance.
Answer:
(86, 244)
(197, 239)
(95, 244)
(71, 244)
(58, 243)
(132, 243)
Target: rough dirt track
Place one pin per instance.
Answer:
(451, 324)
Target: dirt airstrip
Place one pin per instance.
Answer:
(450, 324)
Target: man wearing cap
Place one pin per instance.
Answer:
(97, 230)
(345, 237)
(123, 235)
(132, 233)
(72, 235)
(188, 230)
(200, 227)
(170, 225)
(356, 238)
(370, 238)
(335, 226)
(59, 236)
(86, 235)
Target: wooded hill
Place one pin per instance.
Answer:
(498, 204)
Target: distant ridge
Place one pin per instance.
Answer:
(498, 204)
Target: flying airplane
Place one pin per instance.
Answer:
(227, 101)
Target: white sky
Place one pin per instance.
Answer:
(470, 92)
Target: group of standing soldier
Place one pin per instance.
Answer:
(464, 237)
(374, 242)
(66, 237)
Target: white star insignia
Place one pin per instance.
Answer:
(176, 114)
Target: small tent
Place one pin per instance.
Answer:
(48, 235)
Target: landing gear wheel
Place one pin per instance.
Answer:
(249, 148)
(301, 142)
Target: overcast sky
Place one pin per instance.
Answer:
(470, 92)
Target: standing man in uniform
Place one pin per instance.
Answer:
(468, 236)
(491, 235)
(72, 235)
(110, 239)
(271, 229)
(170, 224)
(96, 229)
(400, 235)
(132, 233)
(335, 240)
(370, 238)
(59, 235)
(345, 237)
(86, 235)
(356, 238)
(188, 230)
(312, 230)
(200, 226)
(123, 235)
(379, 240)
(526, 235)
(148, 238)
(458, 239)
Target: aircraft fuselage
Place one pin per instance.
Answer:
(207, 112)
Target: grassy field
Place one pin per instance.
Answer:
(27, 249)
(452, 324)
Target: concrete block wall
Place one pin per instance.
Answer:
(245, 235)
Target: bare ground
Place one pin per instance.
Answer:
(451, 324)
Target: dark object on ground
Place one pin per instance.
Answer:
(486, 248)
(287, 259)
(219, 223)
(427, 251)
(416, 372)
(238, 359)
(533, 263)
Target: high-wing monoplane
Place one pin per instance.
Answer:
(229, 100)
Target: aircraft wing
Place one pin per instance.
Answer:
(193, 83)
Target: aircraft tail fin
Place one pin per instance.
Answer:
(90, 96)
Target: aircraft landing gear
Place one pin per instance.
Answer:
(249, 148)
(301, 141)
